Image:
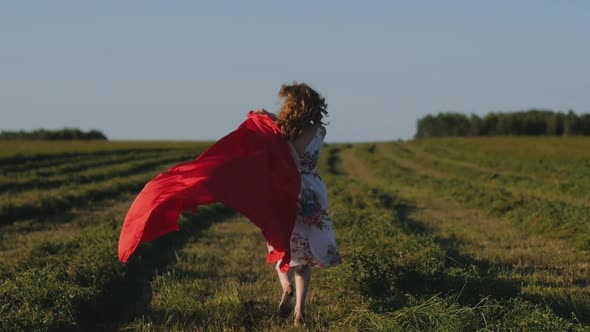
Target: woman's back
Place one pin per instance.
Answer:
(306, 138)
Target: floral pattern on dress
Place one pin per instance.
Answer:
(300, 248)
(310, 210)
(309, 160)
(313, 240)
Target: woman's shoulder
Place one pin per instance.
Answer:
(313, 130)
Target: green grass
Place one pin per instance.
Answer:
(55, 190)
(79, 284)
(72, 164)
(565, 217)
(430, 242)
(549, 271)
(26, 150)
(93, 172)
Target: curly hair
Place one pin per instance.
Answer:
(302, 107)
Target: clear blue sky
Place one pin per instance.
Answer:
(191, 70)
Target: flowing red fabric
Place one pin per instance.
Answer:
(250, 170)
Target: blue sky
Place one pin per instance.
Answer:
(191, 70)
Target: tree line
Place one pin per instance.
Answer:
(533, 122)
(53, 134)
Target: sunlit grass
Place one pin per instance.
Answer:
(429, 243)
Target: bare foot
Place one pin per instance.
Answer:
(298, 320)
(285, 304)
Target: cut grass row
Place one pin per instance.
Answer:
(429, 166)
(18, 238)
(24, 163)
(572, 188)
(554, 157)
(23, 150)
(546, 270)
(44, 203)
(219, 282)
(412, 283)
(536, 214)
(79, 285)
(394, 278)
(77, 164)
(465, 295)
(24, 156)
(94, 171)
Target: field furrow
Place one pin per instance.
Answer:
(545, 270)
(571, 190)
(18, 239)
(41, 204)
(97, 173)
(536, 213)
(445, 235)
(395, 277)
(76, 283)
(24, 163)
(76, 165)
(556, 158)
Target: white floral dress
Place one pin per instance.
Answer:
(313, 241)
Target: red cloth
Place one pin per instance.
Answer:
(250, 170)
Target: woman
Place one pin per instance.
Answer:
(312, 241)
(250, 162)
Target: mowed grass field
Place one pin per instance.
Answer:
(463, 234)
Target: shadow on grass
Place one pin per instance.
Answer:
(482, 281)
(467, 279)
(130, 295)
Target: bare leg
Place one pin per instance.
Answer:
(302, 281)
(285, 279)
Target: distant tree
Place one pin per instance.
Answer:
(476, 124)
(534, 122)
(490, 124)
(504, 125)
(425, 127)
(57, 134)
(555, 124)
(443, 124)
(572, 124)
(95, 134)
(585, 124)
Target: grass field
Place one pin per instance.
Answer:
(462, 234)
